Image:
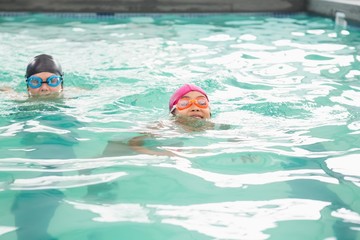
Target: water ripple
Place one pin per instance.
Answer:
(226, 220)
(61, 182)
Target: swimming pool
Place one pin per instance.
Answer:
(284, 167)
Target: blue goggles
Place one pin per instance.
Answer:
(36, 82)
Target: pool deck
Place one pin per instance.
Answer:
(351, 8)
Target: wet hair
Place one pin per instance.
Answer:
(43, 63)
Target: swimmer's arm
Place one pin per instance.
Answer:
(137, 145)
(116, 148)
(7, 89)
(10, 93)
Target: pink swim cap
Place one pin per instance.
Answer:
(182, 91)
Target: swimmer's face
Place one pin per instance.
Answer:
(194, 110)
(45, 89)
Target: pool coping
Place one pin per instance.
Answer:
(350, 9)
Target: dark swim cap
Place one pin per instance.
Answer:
(43, 63)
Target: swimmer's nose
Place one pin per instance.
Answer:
(44, 87)
(195, 108)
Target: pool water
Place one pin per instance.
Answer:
(280, 162)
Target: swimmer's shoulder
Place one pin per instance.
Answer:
(6, 89)
(8, 93)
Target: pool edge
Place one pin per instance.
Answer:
(329, 8)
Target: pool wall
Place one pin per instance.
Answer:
(351, 8)
(152, 6)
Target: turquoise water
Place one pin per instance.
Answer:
(281, 162)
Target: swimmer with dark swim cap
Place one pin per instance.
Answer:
(44, 76)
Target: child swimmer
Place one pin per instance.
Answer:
(190, 107)
(44, 77)
(190, 101)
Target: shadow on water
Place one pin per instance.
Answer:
(315, 190)
(34, 209)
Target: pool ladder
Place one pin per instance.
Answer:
(340, 19)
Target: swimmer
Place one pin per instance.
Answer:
(190, 101)
(44, 77)
(189, 106)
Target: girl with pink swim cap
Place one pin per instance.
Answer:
(190, 101)
(189, 104)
